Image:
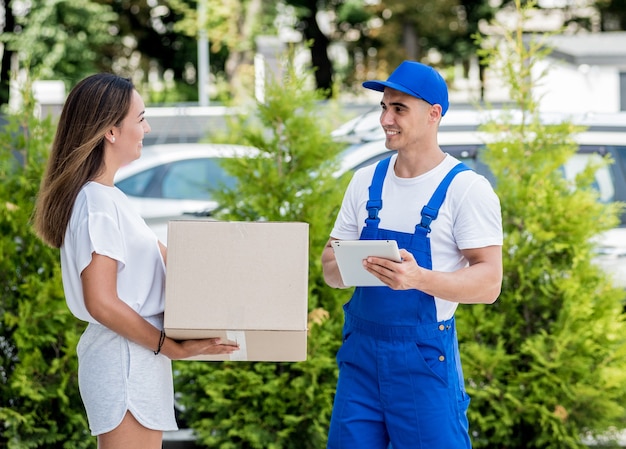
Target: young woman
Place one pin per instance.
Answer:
(113, 267)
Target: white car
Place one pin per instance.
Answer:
(459, 136)
(172, 181)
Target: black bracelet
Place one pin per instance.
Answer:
(161, 341)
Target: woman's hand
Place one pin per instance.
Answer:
(177, 350)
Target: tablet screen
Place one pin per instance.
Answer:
(350, 254)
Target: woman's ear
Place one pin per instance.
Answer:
(110, 136)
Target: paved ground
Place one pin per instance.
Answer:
(181, 439)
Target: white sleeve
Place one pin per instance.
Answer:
(98, 233)
(478, 222)
(347, 223)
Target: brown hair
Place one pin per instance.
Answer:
(95, 105)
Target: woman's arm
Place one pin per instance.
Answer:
(99, 281)
(163, 250)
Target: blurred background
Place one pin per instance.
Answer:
(198, 58)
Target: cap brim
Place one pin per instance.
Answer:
(380, 87)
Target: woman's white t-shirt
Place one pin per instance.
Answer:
(104, 222)
(470, 216)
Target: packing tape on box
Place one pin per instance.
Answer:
(240, 338)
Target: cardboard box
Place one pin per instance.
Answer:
(241, 281)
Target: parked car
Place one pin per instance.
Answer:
(175, 180)
(459, 136)
(172, 181)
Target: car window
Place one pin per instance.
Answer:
(618, 153)
(603, 182)
(136, 185)
(194, 179)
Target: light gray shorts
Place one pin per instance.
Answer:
(116, 375)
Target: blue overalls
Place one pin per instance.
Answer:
(400, 376)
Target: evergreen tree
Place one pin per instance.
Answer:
(546, 364)
(278, 405)
(40, 404)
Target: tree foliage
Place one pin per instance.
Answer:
(411, 29)
(63, 40)
(67, 40)
(231, 28)
(150, 49)
(39, 400)
(545, 364)
(277, 405)
(613, 14)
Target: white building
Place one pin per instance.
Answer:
(587, 73)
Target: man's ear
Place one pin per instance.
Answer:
(435, 112)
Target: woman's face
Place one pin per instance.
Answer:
(129, 134)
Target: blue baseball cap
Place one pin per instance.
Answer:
(418, 80)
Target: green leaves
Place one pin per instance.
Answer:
(278, 405)
(63, 39)
(544, 363)
(39, 400)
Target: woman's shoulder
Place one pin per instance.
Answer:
(98, 197)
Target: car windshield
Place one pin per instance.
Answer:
(603, 182)
(192, 179)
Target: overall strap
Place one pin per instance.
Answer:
(431, 210)
(375, 202)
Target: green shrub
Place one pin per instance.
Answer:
(39, 400)
(546, 364)
(277, 405)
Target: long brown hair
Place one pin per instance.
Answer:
(94, 106)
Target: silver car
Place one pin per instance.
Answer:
(172, 181)
(459, 136)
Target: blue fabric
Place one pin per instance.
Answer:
(400, 376)
(417, 80)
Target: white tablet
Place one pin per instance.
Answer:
(350, 254)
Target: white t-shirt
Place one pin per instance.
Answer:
(470, 216)
(103, 221)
